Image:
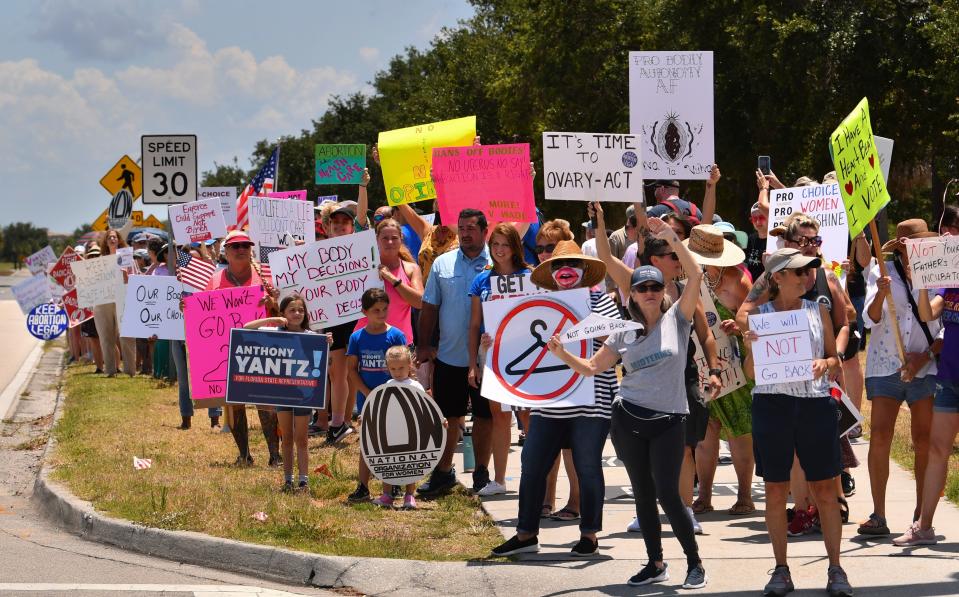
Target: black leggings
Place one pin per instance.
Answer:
(651, 446)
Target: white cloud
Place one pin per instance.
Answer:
(369, 55)
(99, 30)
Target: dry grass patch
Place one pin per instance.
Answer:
(193, 484)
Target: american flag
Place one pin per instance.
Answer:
(142, 463)
(193, 272)
(261, 184)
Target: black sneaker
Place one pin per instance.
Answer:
(848, 484)
(696, 578)
(335, 434)
(314, 430)
(362, 494)
(515, 546)
(480, 478)
(303, 486)
(439, 483)
(648, 575)
(584, 548)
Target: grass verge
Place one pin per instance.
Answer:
(194, 486)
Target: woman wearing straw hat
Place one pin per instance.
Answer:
(583, 428)
(889, 380)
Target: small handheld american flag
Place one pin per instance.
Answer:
(195, 273)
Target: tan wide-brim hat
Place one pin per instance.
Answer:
(709, 247)
(909, 229)
(594, 270)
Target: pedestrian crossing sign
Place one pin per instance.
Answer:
(125, 174)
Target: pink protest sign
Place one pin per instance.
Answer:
(301, 195)
(209, 317)
(493, 178)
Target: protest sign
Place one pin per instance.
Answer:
(884, 148)
(406, 156)
(227, 198)
(276, 368)
(727, 351)
(331, 275)
(124, 258)
(861, 182)
(37, 263)
(340, 164)
(849, 415)
(519, 370)
(934, 261)
(402, 437)
(598, 326)
(494, 179)
(197, 221)
(296, 195)
(325, 198)
(152, 308)
(783, 352)
(208, 318)
(47, 321)
(592, 167)
(61, 271)
(821, 202)
(671, 111)
(272, 219)
(512, 285)
(75, 313)
(97, 281)
(169, 168)
(33, 291)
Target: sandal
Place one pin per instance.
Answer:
(741, 509)
(701, 507)
(565, 515)
(875, 526)
(844, 510)
(546, 511)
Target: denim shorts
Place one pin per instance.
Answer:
(947, 397)
(297, 412)
(892, 386)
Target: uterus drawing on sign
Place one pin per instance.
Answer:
(672, 139)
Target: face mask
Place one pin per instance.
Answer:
(568, 277)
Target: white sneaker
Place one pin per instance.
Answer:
(697, 528)
(634, 526)
(491, 488)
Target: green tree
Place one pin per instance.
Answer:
(21, 239)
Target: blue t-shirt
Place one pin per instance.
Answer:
(447, 288)
(529, 239)
(482, 283)
(371, 349)
(412, 240)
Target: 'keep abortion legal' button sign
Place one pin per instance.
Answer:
(47, 321)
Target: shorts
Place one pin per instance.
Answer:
(88, 329)
(947, 397)
(698, 418)
(786, 425)
(451, 390)
(297, 412)
(341, 334)
(892, 386)
(481, 406)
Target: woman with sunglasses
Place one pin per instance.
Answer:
(799, 418)
(759, 218)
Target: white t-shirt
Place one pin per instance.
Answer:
(409, 381)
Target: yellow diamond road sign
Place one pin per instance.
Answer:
(125, 174)
(151, 221)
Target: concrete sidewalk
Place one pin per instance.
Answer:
(735, 549)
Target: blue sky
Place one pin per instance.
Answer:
(83, 79)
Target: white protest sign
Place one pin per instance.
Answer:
(271, 219)
(197, 221)
(884, 149)
(124, 258)
(519, 370)
(38, 262)
(598, 326)
(783, 352)
(821, 202)
(33, 291)
(671, 111)
(331, 275)
(849, 415)
(169, 168)
(227, 198)
(97, 281)
(727, 351)
(152, 308)
(512, 285)
(592, 167)
(934, 261)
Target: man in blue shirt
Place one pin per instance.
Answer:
(445, 301)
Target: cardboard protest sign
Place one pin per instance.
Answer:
(861, 182)
(727, 352)
(331, 275)
(519, 370)
(61, 271)
(272, 219)
(227, 198)
(340, 164)
(512, 285)
(592, 167)
(208, 318)
(884, 148)
(783, 352)
(47, 321)
(598, 326)
(123, 257)
(821, 202)
(97, 281)
(276, 368)
(75, 313)
(197, 221)
(152, 308)
(37, 263)
(32, 292)
(494, 179)
(934, 261)
(402, 437)
(671, 111)
(406, 156)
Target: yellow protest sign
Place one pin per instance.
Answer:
(856, 160)
(407, 154)
(151, 221)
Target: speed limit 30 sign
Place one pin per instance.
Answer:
(169, 168)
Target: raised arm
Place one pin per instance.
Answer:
(763, 184)
(362, 201)
(694, 273)
(523, 227)
(709, 199)
(615, 268)
(601, 361)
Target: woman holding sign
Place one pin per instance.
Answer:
(108, 320)
(797, 417)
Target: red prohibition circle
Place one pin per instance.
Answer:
(567, 314)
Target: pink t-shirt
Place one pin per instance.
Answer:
(399, 314)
